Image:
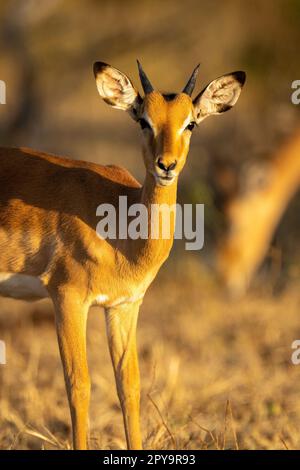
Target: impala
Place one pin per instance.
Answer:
(48, 241)
(264, 195)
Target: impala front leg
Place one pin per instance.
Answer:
(121, 332)
(71, 319)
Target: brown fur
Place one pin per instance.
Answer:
(48, 230)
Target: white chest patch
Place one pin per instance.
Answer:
(101, 299)
(22, 287)
(105, 301)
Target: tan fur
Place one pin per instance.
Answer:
(167, 118)
(253, 218)
(47, 230)
(48, 233)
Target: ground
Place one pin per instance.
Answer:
(216, 373)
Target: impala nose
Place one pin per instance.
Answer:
(163, 166)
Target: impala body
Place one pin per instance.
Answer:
(48, 241)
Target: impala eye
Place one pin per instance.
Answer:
(144, 124)
(190, 126)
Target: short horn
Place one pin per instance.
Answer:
(147, 87)
(189, 87)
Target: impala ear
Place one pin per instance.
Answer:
(219, 96)
(116, 89)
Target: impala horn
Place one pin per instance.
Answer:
(189, 87)
(147, 87)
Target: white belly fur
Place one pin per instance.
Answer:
(22, 287)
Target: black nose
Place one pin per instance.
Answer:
(162, 166)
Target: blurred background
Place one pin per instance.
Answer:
(215, 349)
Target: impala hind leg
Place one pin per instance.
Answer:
(71, 319)
(121, 332)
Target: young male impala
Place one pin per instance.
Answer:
(49, 245)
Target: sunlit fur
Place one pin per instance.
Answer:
(169, 140)
(48, 231)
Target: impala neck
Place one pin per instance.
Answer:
(152, 193)
(151, 251)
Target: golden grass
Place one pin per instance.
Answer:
(216, 374)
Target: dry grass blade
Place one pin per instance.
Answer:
(163, 421)
(50, 439)
(207, 431)
(225, 425)
(284, 443)
(229, 408)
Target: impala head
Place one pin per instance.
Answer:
(167, 120)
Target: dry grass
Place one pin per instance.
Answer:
(216, 374)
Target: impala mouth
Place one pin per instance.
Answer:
(164, 180)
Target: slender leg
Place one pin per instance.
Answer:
(71, 318)
(121, 332)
